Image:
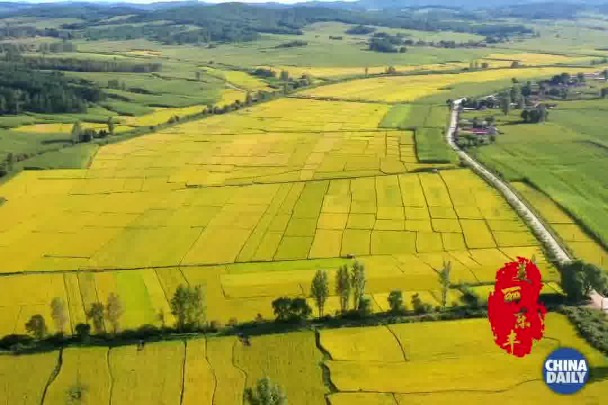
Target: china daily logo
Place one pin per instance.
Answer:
(566, 371)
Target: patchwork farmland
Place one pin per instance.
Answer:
(372, 365)
(250, 208)
(249, 203)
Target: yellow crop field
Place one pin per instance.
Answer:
(199, 378)
(152, 375)
(20, 307)
(369, 365)
(230, 96)
(529, 393)
(352, 398)
(219, 226)
(362, 344)
(23, 378)
(239, 79)
(469, 349)
(84, 370)
(411, 88)
(66, 128)
(292, 360)
(230, 380)
(581, 244)
(533, 58)
(342, 71)
(250, 205)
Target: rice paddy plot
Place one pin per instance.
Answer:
(23, 378)
(291, 360)
(471, 342)
(375, 343)
(345, 71)
(412, 88)
(199, 379)
(153, 374)
(84, 373)
(393, 214)
(210, 153)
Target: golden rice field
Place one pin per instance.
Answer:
(581, 244)
(144, 52)
(241, 80)
(229, 96)
(268, 144)
(343, 71)
(403, 227)
(411, 88)
(66, 128)
(404, 363)
(199, 371)
(250, 208)
(535, 58)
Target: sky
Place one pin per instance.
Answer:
(165, 1)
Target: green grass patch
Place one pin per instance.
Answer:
(431, 146)
(564, 158)
(405, 116)
(73, 157)
(126, 108)
(11, 121)
(397, 117)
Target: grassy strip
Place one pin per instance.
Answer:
(126, 108)
(76, 157)
(431, 146)
(397, 117)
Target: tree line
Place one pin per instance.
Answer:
(241, 22)
(25, 89)
(350, 284)
(188, 304)
(89, 65)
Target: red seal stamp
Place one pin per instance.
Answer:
(516, 316)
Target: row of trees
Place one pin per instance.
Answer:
(13, 50)
(90, 65)
(350, 285)
(187, 306)
(79, 134)
(111, 312)
(188, 302)
(383, 42)
(535, 115)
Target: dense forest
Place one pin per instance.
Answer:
(236, 22)
(24, 89)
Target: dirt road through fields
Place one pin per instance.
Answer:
(522, 209)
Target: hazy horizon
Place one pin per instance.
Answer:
(169, 1)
